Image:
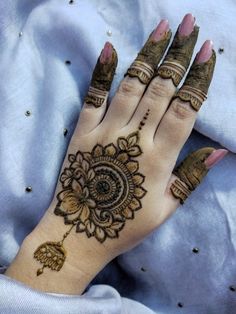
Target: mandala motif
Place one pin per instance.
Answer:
(102, 188)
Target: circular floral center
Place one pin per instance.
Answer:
(112, 186)
(103, 187)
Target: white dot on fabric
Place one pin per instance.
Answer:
(20, 34)
(109, 32)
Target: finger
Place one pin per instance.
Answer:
(179, 119)
(190, 173)
(95, 102)
(162, 87)
(137, 77)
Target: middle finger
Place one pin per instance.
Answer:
(163, 86)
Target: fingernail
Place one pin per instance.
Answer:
(187, 25)
(161, 29)
(215, 157)
(106, 54)
(205, 52)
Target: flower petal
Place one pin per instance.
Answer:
(138, 178)
(135, 204)
(97, 151)
(85, 212)
(133, 139)
(135, 151)
(139, 192)
(79, 157)
(122, 143)
(110, 150)
(91, 203)
(90, 227)
(85, 165)
(128, 213)
(80, 227)
(132, 166)
(69, 203)
(118, 225)
(75, 165)
(100, 234)
(76, 187)
(111, 233)
(123, 157)
(91, 174)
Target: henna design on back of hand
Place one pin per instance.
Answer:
(100, 190)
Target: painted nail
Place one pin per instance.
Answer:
(205, 52)
(106, 53)
(160, 31)
(215, 157)
(187, 25)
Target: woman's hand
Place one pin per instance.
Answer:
(116, 185)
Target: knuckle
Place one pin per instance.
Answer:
(158, 88)
(129, 87)
(181, 110)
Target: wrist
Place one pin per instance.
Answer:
(84, 259)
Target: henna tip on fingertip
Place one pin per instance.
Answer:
(106, 53)
(205, 52)
(215, 157)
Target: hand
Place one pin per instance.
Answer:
(116, 184)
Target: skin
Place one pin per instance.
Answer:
(166, 129)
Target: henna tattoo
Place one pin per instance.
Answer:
(100, 190)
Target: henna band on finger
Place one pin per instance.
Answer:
(148, 58)
(101, 81)
(178, 57)
(197, 83)
(190, 173)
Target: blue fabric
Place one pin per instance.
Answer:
(34, 77)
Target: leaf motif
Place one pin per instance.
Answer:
(84, 213)
(87, 156)
(90, 227)
(79, 157)
(85, 165)
(133, 139)
(122, 143)
(100, 234)
(71, 158)
(80, 227)
(91, 174)
(111, 233)
(118, 225)
(135, 151)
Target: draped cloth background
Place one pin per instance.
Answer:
(162, 271)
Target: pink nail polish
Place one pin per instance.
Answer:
(187, 25)
(205, 52)
(106, 53)
(215, 157)
(160, 31)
